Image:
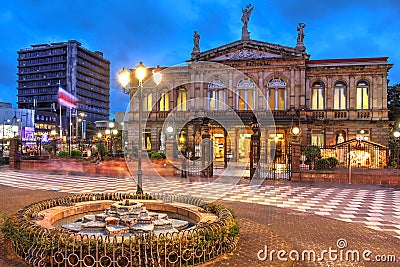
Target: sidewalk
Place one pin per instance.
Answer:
(261, 225)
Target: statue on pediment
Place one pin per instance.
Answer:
(196, 41)
(196, 45)
(300, 32)
(246, 12)
(300, 38)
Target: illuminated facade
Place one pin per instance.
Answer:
(332, 100)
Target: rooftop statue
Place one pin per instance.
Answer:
(196, 40)
(300, 32)
(196, 45)
(246, 12)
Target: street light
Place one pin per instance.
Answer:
(82, 115)
(124, 80)
(53, 140)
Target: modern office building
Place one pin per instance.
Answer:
(42, 68)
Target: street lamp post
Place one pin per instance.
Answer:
(124, 80)
(53, 141)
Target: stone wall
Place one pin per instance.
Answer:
(376, 177)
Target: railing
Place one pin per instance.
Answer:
(58, 247)
(356, 156)
(340, 114)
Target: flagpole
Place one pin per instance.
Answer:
(61, 137)
(70, 129)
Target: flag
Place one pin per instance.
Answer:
(65, 98)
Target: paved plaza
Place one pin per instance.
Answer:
(375, 207)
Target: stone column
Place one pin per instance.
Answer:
(206, 152)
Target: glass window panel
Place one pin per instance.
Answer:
(250, 99)
(281, 99)
(365, 98)
(241, 100)
(317, 140)
(221, 99)
(181, 102)
(271, 99)
(164, 102)
(211, 96)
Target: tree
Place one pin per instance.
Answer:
(394, 102)
(91, 130)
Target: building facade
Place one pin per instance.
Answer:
(332, 100)
(16, 122)
(42, 68)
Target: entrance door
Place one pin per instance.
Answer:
(244, 147)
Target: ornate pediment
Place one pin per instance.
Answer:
(248, 50)
(246, 54)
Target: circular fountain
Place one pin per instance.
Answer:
(121, 230)
(125, 218)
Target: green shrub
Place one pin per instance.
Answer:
(312, 153)
(101, 148)
(76, 154)
(326, 163)
(156, 155)
(332, 162)
(63, 154)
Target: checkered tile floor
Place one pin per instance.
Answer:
(375, 207)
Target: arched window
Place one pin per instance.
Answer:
(148, 102)
(277, 94)
(362, 95)
(339, 95)
(164, 102)
(181, 98)
(318, 96)
(216, 95)
(246, 94)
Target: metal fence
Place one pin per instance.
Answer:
(354, 154)
(57, 247)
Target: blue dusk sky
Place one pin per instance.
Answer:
(161, 32)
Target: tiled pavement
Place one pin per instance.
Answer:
(373, 206)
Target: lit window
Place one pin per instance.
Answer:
(246, 90)
(147, 102)
(317, 138)
(277, 94)
(181, 99)
(216, 95)
(339, 96)
(362, 95)
(164, 102)
(318, 96)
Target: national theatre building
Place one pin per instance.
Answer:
(331, 100)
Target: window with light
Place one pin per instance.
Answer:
(216, 95)
(246, 94)
(277, 94)
(181, 99)
(164, 102)
(148, 102)
(362, 95)
(317, 138)
(318, 96)
(339, 95)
